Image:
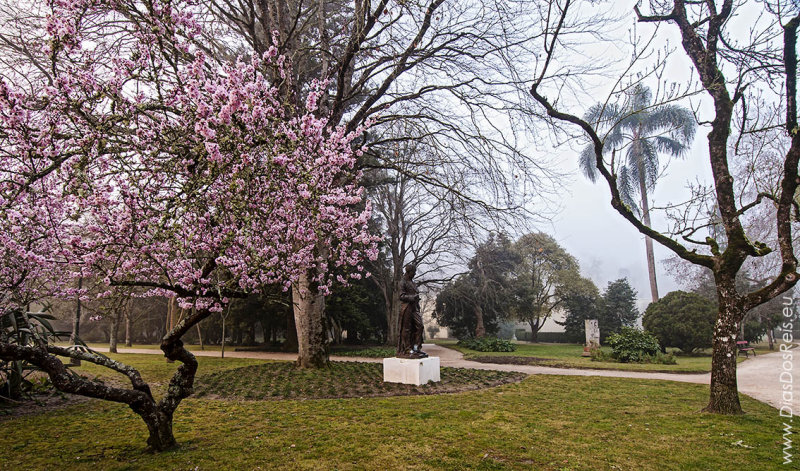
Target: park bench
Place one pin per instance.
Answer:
(744, 347)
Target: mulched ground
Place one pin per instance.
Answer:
(281, 380)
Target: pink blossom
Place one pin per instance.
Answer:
(211, 185)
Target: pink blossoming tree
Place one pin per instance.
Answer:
(142, 161)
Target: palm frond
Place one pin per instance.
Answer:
(640, 98)
(636, 107)
(650, 162)
(676, 120)
(670, 146)
(632, 159)
(588, 163)
(614, 138)
(603, 115)
(627, 188)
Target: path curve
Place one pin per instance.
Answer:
(758, 377)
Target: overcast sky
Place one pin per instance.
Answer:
(607, 246)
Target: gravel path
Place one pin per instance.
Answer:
(758, 377)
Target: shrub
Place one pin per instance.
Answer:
(659, 358)
(633, 346)
(664, 359)
(24, 329)
(487, 344)
(599, 355)
(682, 320)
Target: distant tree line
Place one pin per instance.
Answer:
(355, 314)
(529, 281)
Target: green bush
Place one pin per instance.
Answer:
(659, 358)
(633, 346)
(487, 344)
(682, 320)
(664, 359)
(599, 355)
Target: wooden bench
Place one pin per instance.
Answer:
(744, 347)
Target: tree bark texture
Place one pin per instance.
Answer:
(724, 392)
(309, 317)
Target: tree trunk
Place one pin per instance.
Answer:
(156, 415)
(128, 339)
(200, 337)
(770, 336)
(172, 308)
(480, 330)
(76, 325)
(724, 393)
(648, 242)
(13, 386)
(534, 332)
(393, 314)
(222, 351)
(113, 333)
(251, 334)
(290, 343)
(309, 316)
(159, 425)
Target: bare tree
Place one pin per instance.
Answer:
(422, 223)
(726, 67)
(444, 69)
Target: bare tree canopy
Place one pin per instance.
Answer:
(729, 71)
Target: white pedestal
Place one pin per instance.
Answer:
(417, 371)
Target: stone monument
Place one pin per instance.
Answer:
(592, 337)
(410, 365)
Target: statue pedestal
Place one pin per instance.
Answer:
(407, 371)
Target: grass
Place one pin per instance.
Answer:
(544, 422)
(155, 369)
(342, 379)
(569, 356)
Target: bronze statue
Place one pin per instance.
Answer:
(410, 339)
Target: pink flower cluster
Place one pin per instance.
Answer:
(194, 179)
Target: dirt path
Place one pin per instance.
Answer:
(758, 377)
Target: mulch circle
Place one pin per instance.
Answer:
(282, 380)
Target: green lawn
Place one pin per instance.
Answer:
(544, 422)
(569, 356)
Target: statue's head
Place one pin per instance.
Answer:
(411, 270)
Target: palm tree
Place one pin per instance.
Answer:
(643, 131)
